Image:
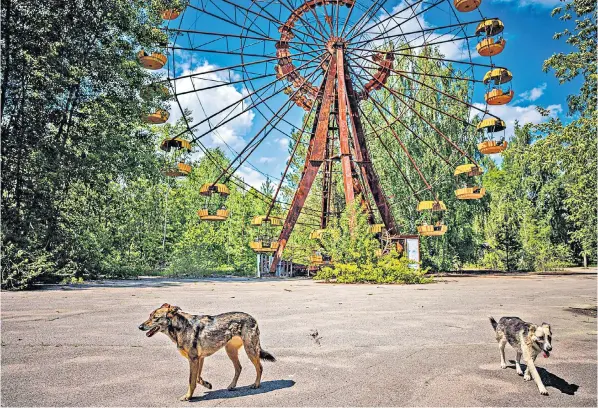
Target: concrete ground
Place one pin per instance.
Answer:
(429, 345)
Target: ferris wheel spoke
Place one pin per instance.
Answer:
(294, 151)
(418, 137)
(385, 19)
(227, 52)
(430, 124)
(249, 148)
(347, 20)
(401, 144)
(236, 103)
(274, 20)
(423, 44)
(317, 19)
(365, 17)
(384, 145)
(293, 126)
(403, 34)
(414, 15)
(321, 35)
(403, 75)
(227, 68)
(228, 20)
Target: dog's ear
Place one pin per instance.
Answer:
(172, 311)
(165, 305)
(546, 324)
(532, 331)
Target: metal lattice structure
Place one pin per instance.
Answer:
(329, 58)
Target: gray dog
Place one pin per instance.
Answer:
(529, 340)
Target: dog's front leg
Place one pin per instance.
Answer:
(517, 363)
(501, 347)
(200, 380)
(531, 369)
(193, 371)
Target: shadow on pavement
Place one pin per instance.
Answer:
(551, 380)
(266, 386)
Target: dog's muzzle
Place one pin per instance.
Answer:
(150, 331)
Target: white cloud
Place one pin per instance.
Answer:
(251, 176)
(522, 114)
(265, 159)
(533, 93)
(207, 102)
(525, 3)
(283, 142)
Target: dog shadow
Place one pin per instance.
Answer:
(266, 386)
(551, 380)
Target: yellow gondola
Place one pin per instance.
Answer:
(431, 206)
(469, 192)
(496, 94)
(214, 208)
(465, 6)
(490, 27)
(153, 61)
(265, 242)
(498, 76)
(499, 97)
(221, 214)
(377, 228)
(181, 170)
(263, 246)
(319, 259)
(432, 230)
(470, 169)
(261, 220)
(158, 117)
(316, 234)
(175, 143)
(490, 47)
(208, 189)
(438, 227)
(490, 146)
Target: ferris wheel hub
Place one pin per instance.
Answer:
(335, 43)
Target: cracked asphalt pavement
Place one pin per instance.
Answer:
(336, 345)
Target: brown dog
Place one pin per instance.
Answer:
(198, 337)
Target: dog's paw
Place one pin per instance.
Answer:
(543, 391)
(232, 387)
(254, 386)
(519, 372)
(527, 377)
(185, 397)
(206, 384)
(503, 365)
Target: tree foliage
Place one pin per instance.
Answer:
(83, 194)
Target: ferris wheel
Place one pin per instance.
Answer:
(336, 64)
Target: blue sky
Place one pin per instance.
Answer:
(529, 29)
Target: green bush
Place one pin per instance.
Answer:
(388, 269)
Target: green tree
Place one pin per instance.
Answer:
(571, 147)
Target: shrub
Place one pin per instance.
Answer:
(387, 269)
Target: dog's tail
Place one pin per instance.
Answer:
(264, 355)
(493, 323)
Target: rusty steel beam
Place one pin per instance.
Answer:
(365, 162)
(344, 129)
(315, 157)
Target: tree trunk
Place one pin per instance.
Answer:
(585, 261)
